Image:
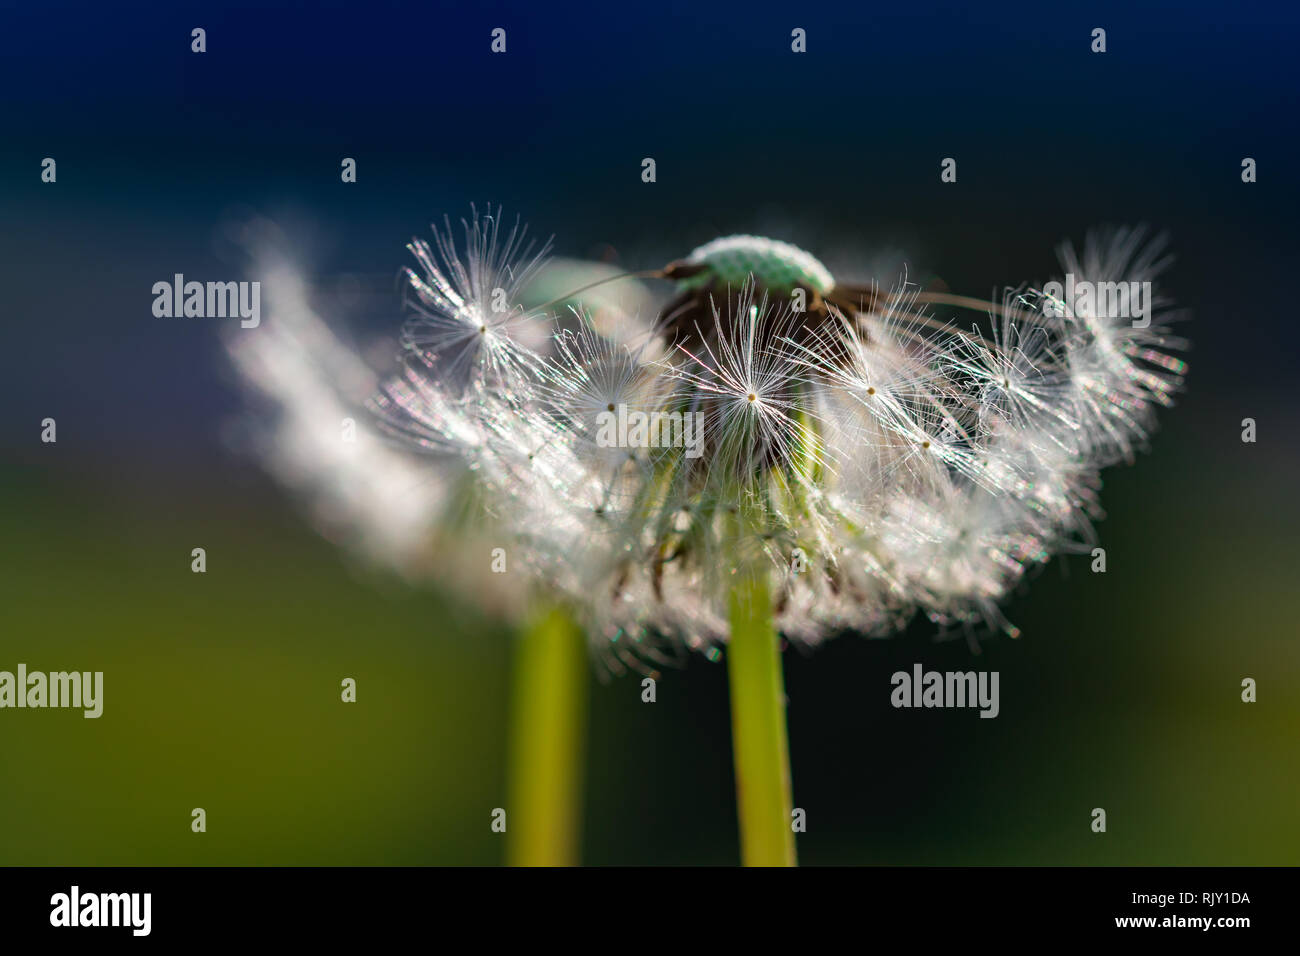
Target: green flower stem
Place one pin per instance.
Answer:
(549, 722)
(762, 752)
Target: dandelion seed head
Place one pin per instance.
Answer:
(880, 458)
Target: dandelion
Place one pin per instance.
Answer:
(865, 459)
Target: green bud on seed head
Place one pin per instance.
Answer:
(774, 265)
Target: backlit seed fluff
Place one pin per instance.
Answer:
(875, 457)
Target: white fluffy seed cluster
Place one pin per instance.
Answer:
(879, 463)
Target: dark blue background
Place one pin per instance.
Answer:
(838, 149)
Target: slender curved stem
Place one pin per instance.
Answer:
(548, 726)
(762, 753)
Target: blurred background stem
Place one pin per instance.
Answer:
(548, 725)
(762, 753)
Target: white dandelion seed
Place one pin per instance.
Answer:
(749, 391)
(467, 320)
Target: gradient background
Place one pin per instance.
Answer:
(222, 689)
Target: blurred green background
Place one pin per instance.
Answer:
(222, 689)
